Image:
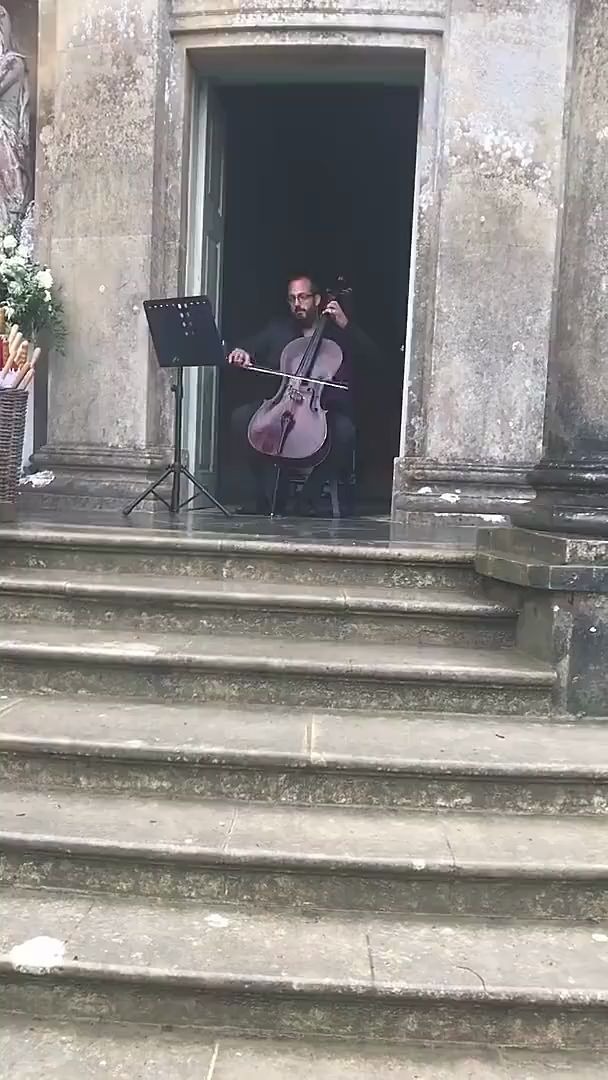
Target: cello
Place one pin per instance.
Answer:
(291, 428)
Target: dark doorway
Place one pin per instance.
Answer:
(320, 179)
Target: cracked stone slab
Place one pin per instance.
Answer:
(30, 1049)
(493, 745)
(359, 599)
(487, 666)
(153, 730)
(178, 668)
(247, 833)
(308, 836)
(193, 604)
(347, 743)
(281, 952)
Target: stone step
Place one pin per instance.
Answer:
(239, 557)
(306, 858)
(30, 1049)
(178, 668)
(285, 974)
(267, 754)
(190, 605)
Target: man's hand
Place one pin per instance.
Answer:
(240, 358)
(335, 312)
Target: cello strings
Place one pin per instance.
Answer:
(296, 378)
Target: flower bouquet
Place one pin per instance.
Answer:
(29, 306)
(27, 291)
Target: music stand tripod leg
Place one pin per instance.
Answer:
(150, 490)
(174, 504)
(203, 491)
(275, 493)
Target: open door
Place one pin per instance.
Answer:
(204, 272)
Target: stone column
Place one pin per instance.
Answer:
(559, 560)
(476, 411)
(572, 479)
(108, 186)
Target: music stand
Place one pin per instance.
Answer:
(184, 334)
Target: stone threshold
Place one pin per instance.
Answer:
(268, 538)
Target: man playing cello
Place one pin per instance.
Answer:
(265, 348)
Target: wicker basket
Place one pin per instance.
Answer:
(13, 413)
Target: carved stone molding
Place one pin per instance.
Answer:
(425, 16)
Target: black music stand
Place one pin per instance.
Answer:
(184, 334)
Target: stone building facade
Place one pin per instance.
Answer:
(509, 260)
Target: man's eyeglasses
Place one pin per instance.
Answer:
(300, 298)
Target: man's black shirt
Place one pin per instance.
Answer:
(266, 348)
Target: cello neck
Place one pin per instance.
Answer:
(305, 366)
(310, 353)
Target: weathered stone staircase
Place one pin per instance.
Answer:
(300, 791)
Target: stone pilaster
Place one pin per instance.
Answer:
(109, 151)
(572, 479)
(561, 588)
(476, 408)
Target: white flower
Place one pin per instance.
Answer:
(44, 279)
(15, 288)
(9, 243)
(22, 252)
(48, 298)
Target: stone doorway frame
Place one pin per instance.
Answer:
(371, 53)
(101, 455)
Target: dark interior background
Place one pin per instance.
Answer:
(320, 179)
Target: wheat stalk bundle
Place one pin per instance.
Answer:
(16, 365)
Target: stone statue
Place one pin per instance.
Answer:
(15, 168)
